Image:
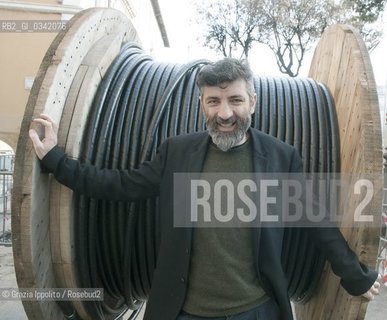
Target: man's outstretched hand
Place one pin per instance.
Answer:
(50, 139)
(374, 290)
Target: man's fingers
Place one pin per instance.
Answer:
(46, 117)
(49, 127)
(43, 122)
(49, 119)
(374, 290)
(34, 137)
(48, 140)
(369, 295)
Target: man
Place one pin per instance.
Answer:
(211, 273)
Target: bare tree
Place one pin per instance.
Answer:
(231, 27)
(288, 27)
(291, 27)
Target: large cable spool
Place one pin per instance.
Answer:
(45, 228)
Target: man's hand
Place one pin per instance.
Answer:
(50, 139)
(374, 290)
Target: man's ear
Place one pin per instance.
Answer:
(253, 101)
(201, 103)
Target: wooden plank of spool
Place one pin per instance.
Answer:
(57, 215)
(33, 243)
(342, 63)
(73, 120)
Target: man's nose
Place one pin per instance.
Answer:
(225, 112)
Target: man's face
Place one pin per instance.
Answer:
(228, 109)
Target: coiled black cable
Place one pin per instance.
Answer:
(139, 104)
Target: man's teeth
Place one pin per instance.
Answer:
(226, 125)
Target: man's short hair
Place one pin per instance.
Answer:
(226, 70)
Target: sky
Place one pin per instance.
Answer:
(378, 58)
(183, 34)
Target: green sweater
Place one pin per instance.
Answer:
(222, 277)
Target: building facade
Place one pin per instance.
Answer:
(27, 29)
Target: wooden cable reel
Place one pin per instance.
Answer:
(342, 63)
(65, 87)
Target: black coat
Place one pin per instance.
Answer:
(187, 153)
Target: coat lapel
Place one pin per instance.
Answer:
(260, 164)
(198, 155)
(195, 165)
(259, 152)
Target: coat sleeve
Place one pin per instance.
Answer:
(107, 184)
(356, 277)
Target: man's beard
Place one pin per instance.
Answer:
(226, 140)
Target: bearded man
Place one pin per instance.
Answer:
(211, 273)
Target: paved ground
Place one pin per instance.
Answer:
(9, 310)
(377, 309)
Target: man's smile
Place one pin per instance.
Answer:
(226, 125)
